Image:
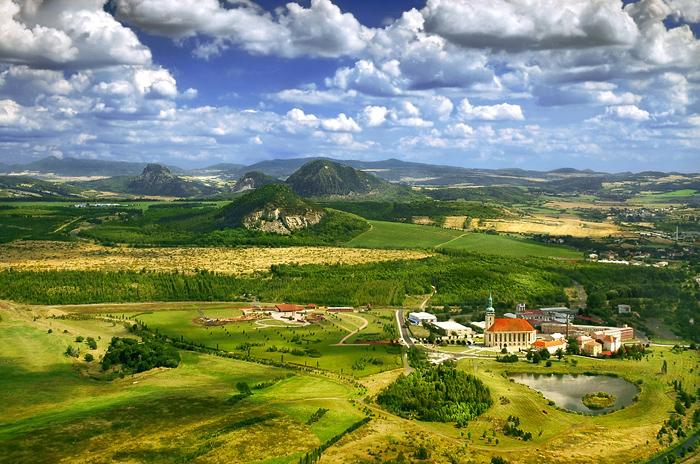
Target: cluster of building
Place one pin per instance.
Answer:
(449, 330)
(516, 331)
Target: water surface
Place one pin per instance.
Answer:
(566, 390)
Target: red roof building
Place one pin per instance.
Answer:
(506, 324)
(551, 345)
(288, 308)
(508, 333)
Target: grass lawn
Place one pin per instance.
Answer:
(298, 345)
(51, 411)
(400, 235)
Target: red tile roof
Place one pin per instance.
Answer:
(506, 324)
(546, 343)
(288, 308)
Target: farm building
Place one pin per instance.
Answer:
(288, 308)
(340, 309)
(421, 317)
(453, 330)
(504, 332)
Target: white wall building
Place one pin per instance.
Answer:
(421, 317)
(453, 330)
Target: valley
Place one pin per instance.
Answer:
(283, 294)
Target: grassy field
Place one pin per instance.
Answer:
(558, 435)
(400, 235)
(508, 246)
(315, 345)
(184, 414)
(52, 411)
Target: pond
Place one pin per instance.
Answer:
(566, 390)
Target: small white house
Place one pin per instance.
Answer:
(624, 309)
(421, 317)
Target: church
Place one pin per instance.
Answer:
(505, 332)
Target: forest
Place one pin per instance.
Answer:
(404, 211)
(437, 394)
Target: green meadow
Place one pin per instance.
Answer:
(162, 416)
(399, 235)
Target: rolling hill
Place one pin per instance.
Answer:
(271, 208)
(27, 187)
(154, 180)
(254, 179)
(324, 178)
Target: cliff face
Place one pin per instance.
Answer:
(158, 180)
(272, 208)
(277, 221)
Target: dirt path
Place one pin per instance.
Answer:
(450, 240)
(360, 328)
(64, 225)
(427, 298)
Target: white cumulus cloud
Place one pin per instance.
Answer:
(501, 111)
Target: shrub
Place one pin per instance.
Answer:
(131, 356)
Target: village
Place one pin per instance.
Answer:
(521, 331)
(547, 329)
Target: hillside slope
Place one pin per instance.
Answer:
(254, 179)
(271, 208)
(323, 177)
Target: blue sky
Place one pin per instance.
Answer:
(536, 84)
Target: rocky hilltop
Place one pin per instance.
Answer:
(271, 208)
(158, 180)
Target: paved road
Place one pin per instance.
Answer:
(405, 339)
(403, 330)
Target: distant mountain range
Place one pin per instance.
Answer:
(75, 167)
(391, 170)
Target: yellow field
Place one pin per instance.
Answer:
(454, 222)
(42, 255)
(539, 224)
(422, 220)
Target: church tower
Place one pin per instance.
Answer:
(490, 314)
